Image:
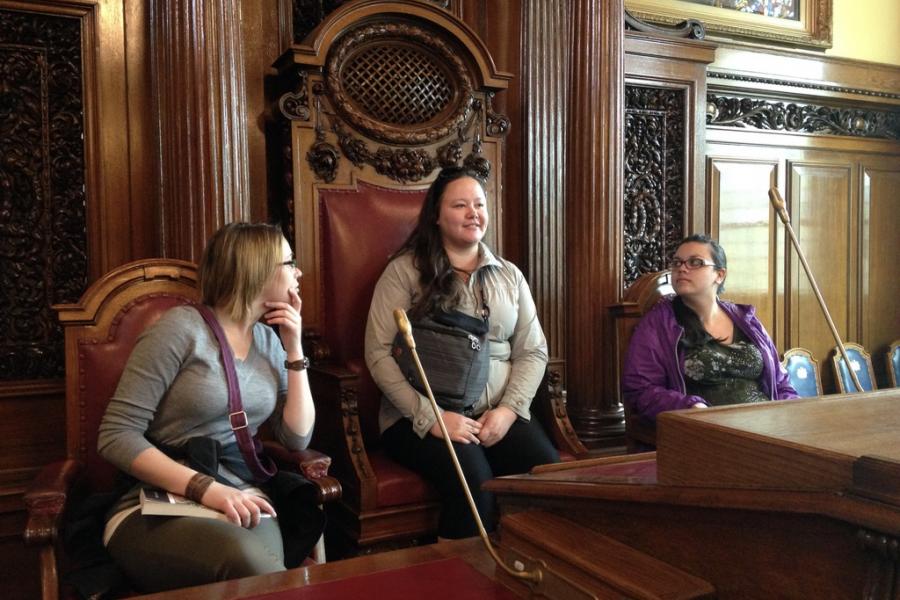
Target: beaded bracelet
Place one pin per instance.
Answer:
(197, 486)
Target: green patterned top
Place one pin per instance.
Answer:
(724, 373)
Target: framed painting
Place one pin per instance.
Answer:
(795, 22)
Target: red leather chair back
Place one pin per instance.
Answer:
(100, 367)
(360, 229)
(101, 330)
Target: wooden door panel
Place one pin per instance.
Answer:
(821, 202)
(742, 222)
(880, 243)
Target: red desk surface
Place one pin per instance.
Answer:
(448, 579)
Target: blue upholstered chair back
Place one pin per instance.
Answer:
(861, 362)
(893, 364)
(803, 371)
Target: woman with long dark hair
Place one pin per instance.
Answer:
(694, 350)
(444, 266)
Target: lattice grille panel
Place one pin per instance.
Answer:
(400, 84)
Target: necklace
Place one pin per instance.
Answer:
(465, 274)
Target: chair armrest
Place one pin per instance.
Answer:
(311, 463)
(45, 500)
(550, 407)
(339, 433)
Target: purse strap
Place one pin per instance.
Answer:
(485, 309)
(260, 465)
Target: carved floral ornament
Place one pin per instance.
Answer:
(805, 118)
(400, 164)
(404, 88)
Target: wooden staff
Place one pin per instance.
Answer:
(778, 203)
(405, 328)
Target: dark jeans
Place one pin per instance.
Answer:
(524, 446)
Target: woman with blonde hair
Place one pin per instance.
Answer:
(168, 424)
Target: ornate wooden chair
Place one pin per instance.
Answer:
(893, 363)
(803, 371)
(640, 297)
(860, 362)
(365, 139)
(100, 331)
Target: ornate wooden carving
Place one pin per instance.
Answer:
(363, 77)
(399, 164)
(295, 105)
(654, 178)
(43, 240)
(884, 564)
(755, 113)
(690, 28)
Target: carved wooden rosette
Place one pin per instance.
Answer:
(43, 220)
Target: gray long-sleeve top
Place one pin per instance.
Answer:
(517, 343)
(173, 388)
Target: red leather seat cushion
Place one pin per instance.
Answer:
(397, 485)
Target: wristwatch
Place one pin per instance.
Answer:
(297, 365)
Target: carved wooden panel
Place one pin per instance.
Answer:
(654, 198)
(43, 241)
(736, 111)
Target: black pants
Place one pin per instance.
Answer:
(524, 446)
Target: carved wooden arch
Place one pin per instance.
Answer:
(314, 49)
(335, 138)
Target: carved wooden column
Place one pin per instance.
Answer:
(199, 82)
(545, 72)
(593, 216)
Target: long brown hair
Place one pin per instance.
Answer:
(440, 286)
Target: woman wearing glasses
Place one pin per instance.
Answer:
(168, 427)
(693, 350)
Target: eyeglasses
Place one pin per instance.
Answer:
(290, 263)
(691, 263)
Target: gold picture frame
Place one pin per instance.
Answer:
(812, 29)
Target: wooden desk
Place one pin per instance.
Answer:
(469, 550)
(780, 500)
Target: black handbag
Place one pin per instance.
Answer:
(455, 354)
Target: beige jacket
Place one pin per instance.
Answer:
(518, 346)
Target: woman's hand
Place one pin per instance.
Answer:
(461, 429)
(494, 425)
(290, 325)
(241, 508)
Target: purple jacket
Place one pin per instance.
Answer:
(653, 379)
